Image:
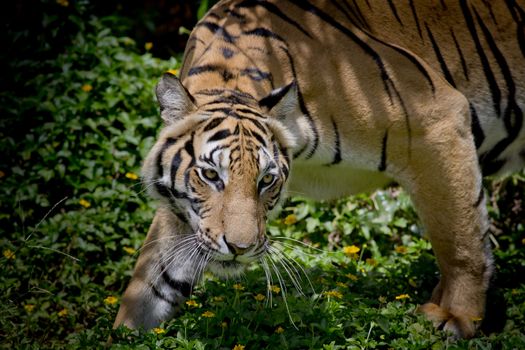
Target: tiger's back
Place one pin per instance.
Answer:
(477, 47)
(328, 98)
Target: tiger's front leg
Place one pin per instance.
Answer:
(168, 266)
(445, 186)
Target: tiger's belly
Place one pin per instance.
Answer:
(329, 182)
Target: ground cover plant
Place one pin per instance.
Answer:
(79, 115)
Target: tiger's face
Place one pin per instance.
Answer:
(221, 171)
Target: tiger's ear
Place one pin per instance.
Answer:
(174, 100)
(282, 102)
(283, 105)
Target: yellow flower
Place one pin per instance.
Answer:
(279, 330)
(9, 254)
(238, 347)
(84, 203)
(208, 314)
(2, 174)
(130, 250)
(275, 289)
(173, 71)
(401, 249)
(159, 330)
(148, 45)
(224, 324)
(341, 284)
(351, 250)
(62, 313)
(192, 303)
(290, 219)
(132, 176)
(259, 297)
(334, 294)
(87, 87)
(351, 276)
(29, 308)
(238, 286)
(64, 3)
(371, 261)
(402, 296)
(111, 300)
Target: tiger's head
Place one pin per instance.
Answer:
(221, 166)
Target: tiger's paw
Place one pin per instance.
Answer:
(459, 326)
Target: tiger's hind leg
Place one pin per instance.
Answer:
(169, 265)
(444, 182)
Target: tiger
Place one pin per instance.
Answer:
(329, 98)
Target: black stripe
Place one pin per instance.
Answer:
(489, 75)
(181, 286)
(188, 147)
(382, 163)
(217, 30)
(489, 7)
(513, 115)
(213, 15)
(161, 296)
(416, 19)
(394, 11)
(337, 155)
(220, 135)
(460, 53)
(352, 13)
(439, 56)
(276, 11)
(213, 123)
(265, 33)
(477, 131)
(233, 98)
(298, 153)
(225, 110)
(175, 165)
(259, 138)
(249, 111)
(518, 14)
(203, 69)
(360, 16)
(169, 142)
(258, 125)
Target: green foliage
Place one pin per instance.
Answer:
(79, 120)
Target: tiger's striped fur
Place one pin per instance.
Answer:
(342, 97)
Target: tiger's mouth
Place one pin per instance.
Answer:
(227, 268)
(234, 265)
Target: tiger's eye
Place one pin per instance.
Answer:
(210, 174)
(267, 179)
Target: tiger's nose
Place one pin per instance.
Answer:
(238, 248)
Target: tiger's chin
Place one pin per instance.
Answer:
(227, 268)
